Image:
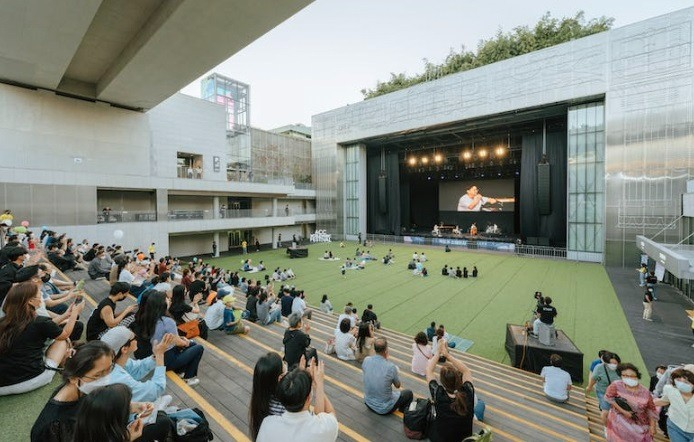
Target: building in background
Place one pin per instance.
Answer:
(297, 130)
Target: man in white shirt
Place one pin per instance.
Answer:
(557, 381)
(299, 306)
(473, 201)
(298, 423)
(347, 314)
(164, 285)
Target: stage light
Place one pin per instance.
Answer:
(425, 160)
(413, 161)
(467, 155)
(438, 158)
(482, 153)
(500, 151)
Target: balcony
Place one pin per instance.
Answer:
(125, 217)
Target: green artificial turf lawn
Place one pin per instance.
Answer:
(475, 308)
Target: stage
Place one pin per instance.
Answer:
(526, 352)
(297, 252)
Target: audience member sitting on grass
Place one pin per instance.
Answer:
(297, 341)
(370, 316)
(421, 353)
(25, 363)
(474, 271)
(268, 311)
(104, 315)
(365, 341)
(266, 376)
(99, 267)
(422, 257)
(345, 342)
(454, 397)
(412, 265)
(379, 376)
(233, 324)
(299, 305)
(87, 368)
(130, 371)
(183, 312)
(441, 333)
(298, 423)
(325, 305)
(183, 356)
(444, 270)
(557, 381)
(465, 273)
(458, 272)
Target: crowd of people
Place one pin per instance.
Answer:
(110, 381)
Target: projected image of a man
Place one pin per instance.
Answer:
(473, 200)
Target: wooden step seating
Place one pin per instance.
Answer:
(512, 412)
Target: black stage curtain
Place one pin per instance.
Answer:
(552, 226)
(384, 220)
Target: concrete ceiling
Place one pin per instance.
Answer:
(131, 53)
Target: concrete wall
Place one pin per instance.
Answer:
(190, 202)
(187, 245)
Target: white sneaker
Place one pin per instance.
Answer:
(648, 319)
(192, 382)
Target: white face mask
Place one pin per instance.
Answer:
(684, 387)
(659, 375)
(88, 387)
(612, 366)
(630, 382)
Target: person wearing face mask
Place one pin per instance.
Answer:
(104, 315)
(25, 364)
(16, 256)
(637, 422)
(601, 377)
(55, 299)
(659, 371)
(87, 369)
(680, 414)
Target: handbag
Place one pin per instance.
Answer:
(191, 329)
(417, 419)
(624, 405)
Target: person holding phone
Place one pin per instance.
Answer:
(104, 316)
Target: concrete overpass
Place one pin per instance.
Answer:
(129, 53)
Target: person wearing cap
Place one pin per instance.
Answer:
(131, 371)
(232, 325)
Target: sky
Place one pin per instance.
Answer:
(323, 56)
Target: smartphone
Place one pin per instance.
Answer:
(79, 299)
(80, 284)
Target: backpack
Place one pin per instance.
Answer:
(201, 433)
(417, 418)
(485, 435)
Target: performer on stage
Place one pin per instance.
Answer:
(473, 200)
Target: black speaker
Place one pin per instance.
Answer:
(382, 194)
(543, 189)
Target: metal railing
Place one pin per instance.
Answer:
(187, 215)
(125, 217)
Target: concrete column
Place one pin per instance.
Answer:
(162, 202)
(215, 209)
(274, 207)
(216, 240)
(274, 239)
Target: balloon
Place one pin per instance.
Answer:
(118, 234)
(25, 223)
(20, 229)
(195, 259)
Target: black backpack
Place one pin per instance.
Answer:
(417, 418)
(201, 433)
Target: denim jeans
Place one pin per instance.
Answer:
(184, 359)
(604, 405)
(676, 434)
(274, 316)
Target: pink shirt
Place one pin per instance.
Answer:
(420, 358)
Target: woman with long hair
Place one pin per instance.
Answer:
(24, 365)
(103, 416)
(454, 397)
(183, 312)
(266, 375)
(183, 356)
(365, 341)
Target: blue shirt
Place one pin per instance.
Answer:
(594, 364)
(379, 376)
(134, 371)
(229, 317)
(164, 325)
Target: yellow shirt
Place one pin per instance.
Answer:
(244, 244)
(151, 249)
